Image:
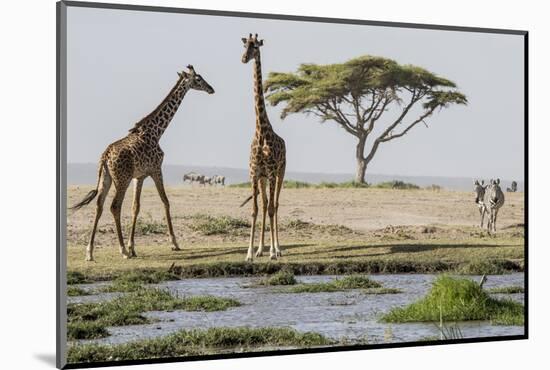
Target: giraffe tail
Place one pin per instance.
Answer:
(246, 201)
(87, 199)
(92, 194)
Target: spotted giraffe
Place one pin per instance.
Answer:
(137, 156)
(267, 160)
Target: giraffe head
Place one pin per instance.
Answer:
(195, 80)
(252, 47)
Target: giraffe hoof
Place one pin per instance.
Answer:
(89, 259)
(259, 254)
(248, 259)
(176, 249)
(273, 257)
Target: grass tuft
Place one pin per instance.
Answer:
(282, 277)
(196, 342)
(489, 267)
(76, 277)
(396, 184)
(346, 283)
(376, 291)
(149, 227)
(74, 291)
(128, 310)
(216, 225)
(458, 299)
(132, 281)
(507, 290)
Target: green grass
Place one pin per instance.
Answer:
(396, 184)
(346, 283)
(86, 330)
(218, 225)
(196, 342)
(507, 290)
(376, 291)
(282, 277)
(77, 277)
(132, 281)
(73, 291)
(293, 184)
(489, 267)
(149, 227)
(420, 263)
(458, 299)
(128, 309)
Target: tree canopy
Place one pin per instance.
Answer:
(355, 94)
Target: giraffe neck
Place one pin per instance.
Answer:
(262, 123)
(158, 120)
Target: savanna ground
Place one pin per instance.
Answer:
(322, 230)
(333, 231)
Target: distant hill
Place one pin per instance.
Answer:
(85, 174)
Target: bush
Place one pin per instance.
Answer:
(458, 299)
(216, 225)
(282, 277)
(346, 283)
(397, 184)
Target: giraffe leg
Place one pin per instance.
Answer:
(271, 212)
(159, 183)
(495, 221)
(263, 193)
(138, 184)
(104, 186)
(254, 215)
(116, 209)
(280, 179)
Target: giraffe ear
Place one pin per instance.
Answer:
(182, 74)
(261, 43)
(244, 39)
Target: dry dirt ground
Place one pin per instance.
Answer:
(340, 222)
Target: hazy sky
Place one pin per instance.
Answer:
(121, 64)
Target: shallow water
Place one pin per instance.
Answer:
(348, 316)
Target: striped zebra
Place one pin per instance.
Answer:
(479, 190)
(493, 201)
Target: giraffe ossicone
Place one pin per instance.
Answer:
(135, 157)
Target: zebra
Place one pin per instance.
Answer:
(192, 177)
(493, 201)
(218, 179)
(479, 190)
(513, 187)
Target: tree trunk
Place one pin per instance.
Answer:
(361, 169)
(361, 161)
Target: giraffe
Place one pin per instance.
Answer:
(267, 160)
(135, 157)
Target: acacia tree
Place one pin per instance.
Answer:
(356, 94)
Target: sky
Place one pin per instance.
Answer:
(121, 64)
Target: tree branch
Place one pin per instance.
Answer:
(342, 121)
(414, 123)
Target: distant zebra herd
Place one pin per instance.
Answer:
(489, 199)
(193, 177)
